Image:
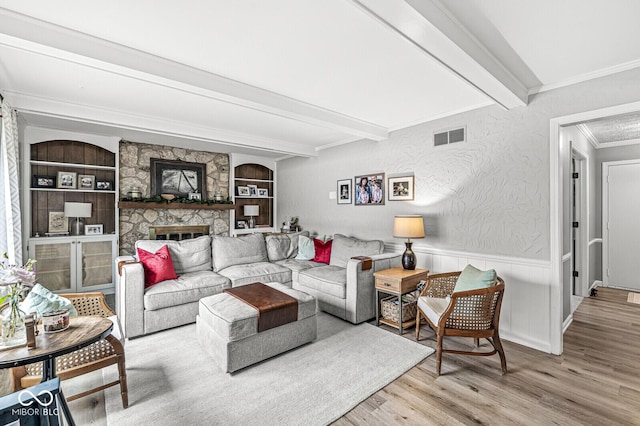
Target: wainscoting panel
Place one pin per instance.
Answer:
(525, 315)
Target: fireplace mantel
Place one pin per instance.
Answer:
(186, 206)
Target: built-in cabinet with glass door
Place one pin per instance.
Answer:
(73, 263)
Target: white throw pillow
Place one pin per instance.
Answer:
(306, 250)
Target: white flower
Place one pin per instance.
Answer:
(12, 274)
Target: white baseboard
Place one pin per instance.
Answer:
(596, 283)
(567, 323)
(525, 316)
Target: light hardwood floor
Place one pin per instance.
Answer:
(595, 381)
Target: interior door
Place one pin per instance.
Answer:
(621, 224)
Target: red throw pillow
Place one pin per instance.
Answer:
(323, 251)
(157, 266)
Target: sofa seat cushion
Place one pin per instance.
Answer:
(229, 251)
(187, 288)
(296, 266)
(232, 319)
(187, 255)
(327, 279)
(263, 272)
(344, 248)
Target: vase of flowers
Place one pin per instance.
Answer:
(15, 282)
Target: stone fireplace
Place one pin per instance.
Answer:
(135, 223)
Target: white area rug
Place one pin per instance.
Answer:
(173, 381)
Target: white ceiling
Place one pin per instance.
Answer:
(291, 77)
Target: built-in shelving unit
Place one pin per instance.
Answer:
(253, 184)
(69, 263)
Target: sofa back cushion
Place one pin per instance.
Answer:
(188, 255)
(229, 251)
(283, 246)
(344, 248)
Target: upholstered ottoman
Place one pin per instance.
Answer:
(227, 328)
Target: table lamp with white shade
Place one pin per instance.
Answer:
(77, 211)
(409, 226)
(252, 211)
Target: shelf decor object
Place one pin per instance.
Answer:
(409, 226)
(77, 211)
(252, 211)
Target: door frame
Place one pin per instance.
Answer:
(605, 215)
(580, 254)
(555, 213)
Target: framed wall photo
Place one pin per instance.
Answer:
(344, 191)
(401, 188)
(104, 185)
(67, 180)
(263, 192)
(86, 181)
(179, 178)
(93, 229)
(243, 191)
(39, 181)
(369, 189)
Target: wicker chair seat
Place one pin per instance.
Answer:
(105, 352)
(471, 313)
(96, 352)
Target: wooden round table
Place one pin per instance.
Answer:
(83, 331)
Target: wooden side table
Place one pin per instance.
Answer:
(82, 331)
(398, 282)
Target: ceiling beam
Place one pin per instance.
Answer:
(434, 30)
(124, 120)
(113, 57)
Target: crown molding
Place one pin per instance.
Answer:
(587, 76)
(582, 128)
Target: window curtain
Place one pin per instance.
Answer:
(10, 227)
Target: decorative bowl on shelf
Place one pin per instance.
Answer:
(168, 197)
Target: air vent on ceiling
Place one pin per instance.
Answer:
(449, 136)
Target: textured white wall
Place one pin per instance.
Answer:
(487, 195)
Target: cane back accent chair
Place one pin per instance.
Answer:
(94, 357)
(471, 313)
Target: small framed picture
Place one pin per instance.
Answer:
(263, 192)
(243, 191)
(369, 189)
(93, 229)
(43, 181)
(58, 223)
(104, 185)
(67, 180)
(344, 191)
(401, 188)
(241, 224)
(253, 190)
(195, 196)
(86, 181)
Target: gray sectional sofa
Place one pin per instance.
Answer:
(207, 265)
